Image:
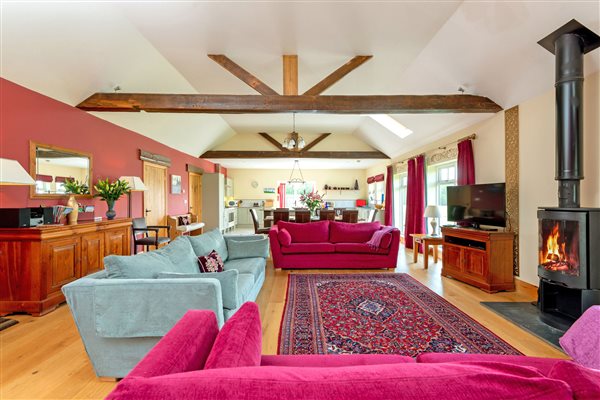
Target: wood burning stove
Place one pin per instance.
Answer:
(569, 236)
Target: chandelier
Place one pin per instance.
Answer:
(294, 142)
(296, 180)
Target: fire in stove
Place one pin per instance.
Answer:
(559, 246)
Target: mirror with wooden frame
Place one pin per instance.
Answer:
(50, 166)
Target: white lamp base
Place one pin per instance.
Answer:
(433, 227)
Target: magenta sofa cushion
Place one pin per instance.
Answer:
(239, 343)
(313, 232)
(300, 248)
(473, 381)
(584, 382)
(333, 360)
(284, 237)
(544, 365)
(184, 348)
(358, 248)
(343, 232)
(580, 343)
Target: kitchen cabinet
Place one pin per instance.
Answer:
(213, 202)
(481, 258)
(228, 187)
(230, 218)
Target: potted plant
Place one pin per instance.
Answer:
(74, 187)
(313, 201)
(110, 192)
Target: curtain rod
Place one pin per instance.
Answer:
(472, 136)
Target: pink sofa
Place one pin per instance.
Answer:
(326, 244)
(196, 361)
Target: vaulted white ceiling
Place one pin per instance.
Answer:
(69, 50)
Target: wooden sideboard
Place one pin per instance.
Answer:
(36, 262)
(481, 258)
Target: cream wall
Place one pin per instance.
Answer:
(242, 179)
(79, 174)
(537, 186)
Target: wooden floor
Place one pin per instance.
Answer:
(44, 357)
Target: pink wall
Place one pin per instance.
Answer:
(27, 115)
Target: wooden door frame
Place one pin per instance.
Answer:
(165, 168)
(190, 174)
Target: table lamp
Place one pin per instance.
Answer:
(135, 185)
(12, 173)
(433, 212)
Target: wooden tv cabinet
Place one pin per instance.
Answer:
(481, 258)
(37, 262)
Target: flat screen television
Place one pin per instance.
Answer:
(475, 205)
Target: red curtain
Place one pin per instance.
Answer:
(466, 163)
(415, 200)
(281, 193)
(389, 197)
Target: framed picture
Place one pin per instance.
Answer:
(176, 184)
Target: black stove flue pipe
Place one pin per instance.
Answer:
(569, 43)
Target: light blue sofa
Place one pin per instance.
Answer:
(122, 311)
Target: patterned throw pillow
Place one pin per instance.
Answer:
(184, 220)
(211, 262)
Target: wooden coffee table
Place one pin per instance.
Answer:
(426, 240)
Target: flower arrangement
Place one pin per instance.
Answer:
(73, 186)
(312, 200)
(111, 192)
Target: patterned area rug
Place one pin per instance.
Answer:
(377, 314)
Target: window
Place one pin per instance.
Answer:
(439, 177)
(376, 193)
(294, 190)
(400, 181)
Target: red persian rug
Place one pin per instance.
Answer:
(377, 314)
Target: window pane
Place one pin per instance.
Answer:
(452, 173)
(444, 174)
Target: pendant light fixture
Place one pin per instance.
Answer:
(294, 142)
(296, 180)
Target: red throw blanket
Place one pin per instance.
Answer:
(375, 241)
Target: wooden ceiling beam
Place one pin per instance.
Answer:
(315, 142)
(251, 104)
(273, 141)
(290, 75)
(215, 154)
(242, 74)
(336, 75)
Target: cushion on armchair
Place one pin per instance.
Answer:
(177, 256)
(239, 343)
(228, 279)
(582, 340)
(209, 241)
(247, 248)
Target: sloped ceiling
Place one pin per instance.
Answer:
(69, 50)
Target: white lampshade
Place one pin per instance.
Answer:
(135, 183)
(12, 173)
(432, 212)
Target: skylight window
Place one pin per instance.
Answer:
(391, 125)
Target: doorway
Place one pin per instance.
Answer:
(155, 198)
(195, 191)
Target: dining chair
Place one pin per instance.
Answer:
(257, 228)
(350, 216)
(326, 214)
(372, 215)
(138, 225)
(302, 216)
(281, 214)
